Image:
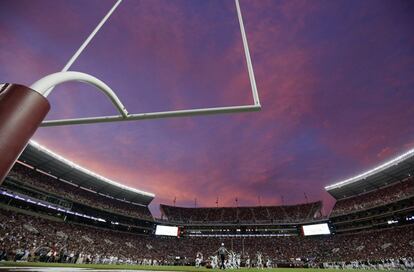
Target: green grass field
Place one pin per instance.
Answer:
(158, 268)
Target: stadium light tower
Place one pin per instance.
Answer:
(23, 109)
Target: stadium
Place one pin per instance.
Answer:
(47, 218)
(244, 188)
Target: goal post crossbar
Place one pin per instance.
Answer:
(125, 116)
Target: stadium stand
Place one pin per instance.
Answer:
(375, 198)
(30, 178)
(276, 214)
(379, 198)
(35, 238)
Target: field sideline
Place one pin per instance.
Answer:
(156, 268)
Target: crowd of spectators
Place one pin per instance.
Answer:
(375, 198)
(25, 237)
(258, 214)
(60, 189)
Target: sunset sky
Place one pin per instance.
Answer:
(335, 79)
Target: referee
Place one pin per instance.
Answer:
(222, 253)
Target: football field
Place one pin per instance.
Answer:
(55, 267)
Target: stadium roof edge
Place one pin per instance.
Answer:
(382, 167)
(87, 172)
(252, 206)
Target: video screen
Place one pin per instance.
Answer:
(316, 229)
(166, 230)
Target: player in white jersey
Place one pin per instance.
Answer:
(227, 264)
(269, 263)
(214, 261)
(231, 260)
(248, 264)
(199, 259)
(238, 260)
(259, 260)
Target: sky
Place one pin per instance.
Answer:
(335, 80)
